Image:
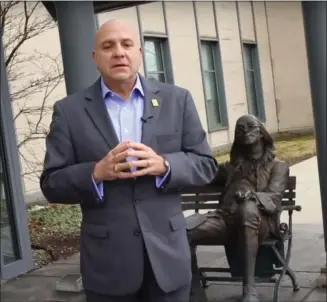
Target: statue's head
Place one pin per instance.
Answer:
(249, 131)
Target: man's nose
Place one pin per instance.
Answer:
(119, 51)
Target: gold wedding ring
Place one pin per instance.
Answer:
(115, 169)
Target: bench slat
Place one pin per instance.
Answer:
(214, 205)
(214, 197)
(214, 189)
(206, 197)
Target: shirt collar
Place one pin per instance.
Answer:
(105, 90)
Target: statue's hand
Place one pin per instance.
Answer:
(243, 195)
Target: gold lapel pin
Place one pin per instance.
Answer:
(155, 103)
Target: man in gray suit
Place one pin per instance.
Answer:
(122, 149)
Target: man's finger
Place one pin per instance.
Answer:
(139, 146)
(138, 154)
(125, 175)
(130, 164)
(141, 172)
(120, 156)
(121, 148)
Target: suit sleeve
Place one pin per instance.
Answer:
(63, 180)
(194, 165)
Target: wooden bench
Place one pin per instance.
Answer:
(206, 198)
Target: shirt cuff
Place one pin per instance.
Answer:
(160, 180)
(98, 188)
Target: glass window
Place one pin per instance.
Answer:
(210, 69)
(9, 246)
(207, 56)
(252, 80)
(16, 253)
(154, 58)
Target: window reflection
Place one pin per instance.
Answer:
(252, 85)
(210, 83)
(9, 249)
(154, 58)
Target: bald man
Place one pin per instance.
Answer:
(122, 149)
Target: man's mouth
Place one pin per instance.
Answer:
(119, 66)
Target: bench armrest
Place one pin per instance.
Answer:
(292, 208)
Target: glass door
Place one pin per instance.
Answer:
(16, 253)
(9, 246)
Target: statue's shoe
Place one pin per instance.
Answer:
(250, 294)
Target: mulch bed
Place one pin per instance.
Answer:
(55, 248)
(58, 245)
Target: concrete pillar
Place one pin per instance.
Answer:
(77, 26)
(314, 14)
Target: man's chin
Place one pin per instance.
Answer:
(121, 77)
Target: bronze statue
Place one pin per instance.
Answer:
(254, 182)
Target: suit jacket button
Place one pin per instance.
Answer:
(137, 201)
(137, 233)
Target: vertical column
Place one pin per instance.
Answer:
(77, 26)
(314, 14)
(315, 29)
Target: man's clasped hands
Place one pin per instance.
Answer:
(116, 166)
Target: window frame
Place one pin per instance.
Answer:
(11, 170)
(164, 53)
(219, 83)
(256, 72)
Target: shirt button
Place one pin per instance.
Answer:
(137, 232)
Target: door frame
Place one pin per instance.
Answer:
(12, 171)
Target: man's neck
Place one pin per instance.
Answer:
(122, 88)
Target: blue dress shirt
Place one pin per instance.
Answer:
(126, 119)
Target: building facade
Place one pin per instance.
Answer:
(234, 57)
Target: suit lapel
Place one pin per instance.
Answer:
(152, 106)
(97, 112)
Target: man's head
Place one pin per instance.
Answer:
(117, 52)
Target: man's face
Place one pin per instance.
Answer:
(247, 131)
(117, 53)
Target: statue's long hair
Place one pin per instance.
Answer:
(238, 160)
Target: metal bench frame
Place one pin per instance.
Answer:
(206, 198)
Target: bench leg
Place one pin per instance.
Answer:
(285, 271)
(281, 275)
(292, 276)
(197, 291)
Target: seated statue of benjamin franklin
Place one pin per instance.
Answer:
(254, 182)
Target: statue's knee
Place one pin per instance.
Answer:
(250, 215)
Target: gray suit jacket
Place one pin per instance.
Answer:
(133, 214)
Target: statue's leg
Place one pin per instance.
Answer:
(212, 231)
(253, 231)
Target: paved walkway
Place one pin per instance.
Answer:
(307, 258)
(307, 192)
